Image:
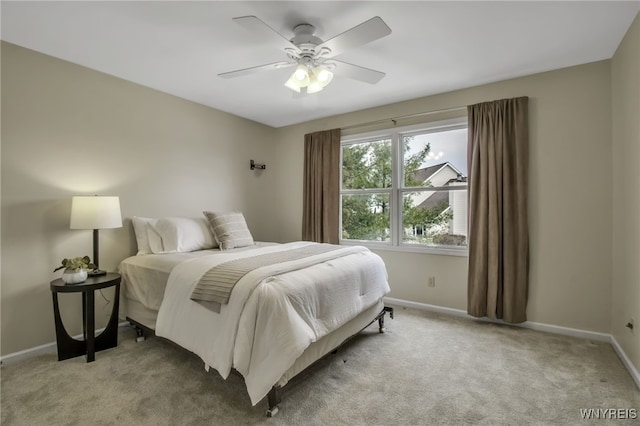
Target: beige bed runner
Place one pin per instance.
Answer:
(216, 284)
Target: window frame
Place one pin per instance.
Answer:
(397, 190)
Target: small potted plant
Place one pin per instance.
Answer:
(75, 270)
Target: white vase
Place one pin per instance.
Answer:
(74, 277)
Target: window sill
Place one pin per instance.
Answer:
(408, 248)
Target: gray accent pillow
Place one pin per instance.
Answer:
(229, 229)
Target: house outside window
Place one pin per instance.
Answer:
(406, 188)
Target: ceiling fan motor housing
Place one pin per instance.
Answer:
(304, 34)
(307, 42)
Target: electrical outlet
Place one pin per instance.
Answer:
(431, 282)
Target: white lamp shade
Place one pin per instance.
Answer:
(95, 212)
(301, 75)
(291, 84)
(323, 75)
(314, 85)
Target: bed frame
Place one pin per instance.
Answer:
(273, 397)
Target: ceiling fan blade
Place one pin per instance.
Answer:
(364, 33)
(260, 68)
(355, 72)
(260, 28)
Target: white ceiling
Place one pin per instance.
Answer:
(180, 47)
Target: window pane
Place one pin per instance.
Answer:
(435, 218)
(433, 159)
(366, 217)
(367, 165)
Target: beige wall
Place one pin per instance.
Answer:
(625, 70)
(67, 130)
(570, 230)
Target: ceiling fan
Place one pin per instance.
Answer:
(312, 57)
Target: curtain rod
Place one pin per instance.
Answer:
(394, 119)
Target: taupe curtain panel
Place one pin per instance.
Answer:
(320, 211)
(498, 229)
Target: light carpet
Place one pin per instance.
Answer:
(427, 369)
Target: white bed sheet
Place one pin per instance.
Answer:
(145, 277)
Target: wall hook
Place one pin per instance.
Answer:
(253, 165)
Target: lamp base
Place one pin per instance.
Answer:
(97, 273)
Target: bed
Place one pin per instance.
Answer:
(265, 310)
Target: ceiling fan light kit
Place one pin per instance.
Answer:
(309, 54)
(314, 79)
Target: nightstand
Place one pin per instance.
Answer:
(68, 347)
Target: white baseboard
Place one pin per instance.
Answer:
(635, 375)
(28, 353)
(556, 329)
(40, 350)
(426, 307)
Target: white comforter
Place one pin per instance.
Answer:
(271, 317)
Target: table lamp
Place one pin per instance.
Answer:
(95, 212)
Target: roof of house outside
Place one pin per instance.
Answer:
(426, 173)
(439, 198)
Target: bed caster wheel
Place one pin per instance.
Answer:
(272, 412)
(140, 337)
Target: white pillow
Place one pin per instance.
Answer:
(140, 229)
(154, 239)
(180, 234)
(229, 229)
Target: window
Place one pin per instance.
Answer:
(406, 188)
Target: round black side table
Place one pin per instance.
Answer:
(68, 347)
